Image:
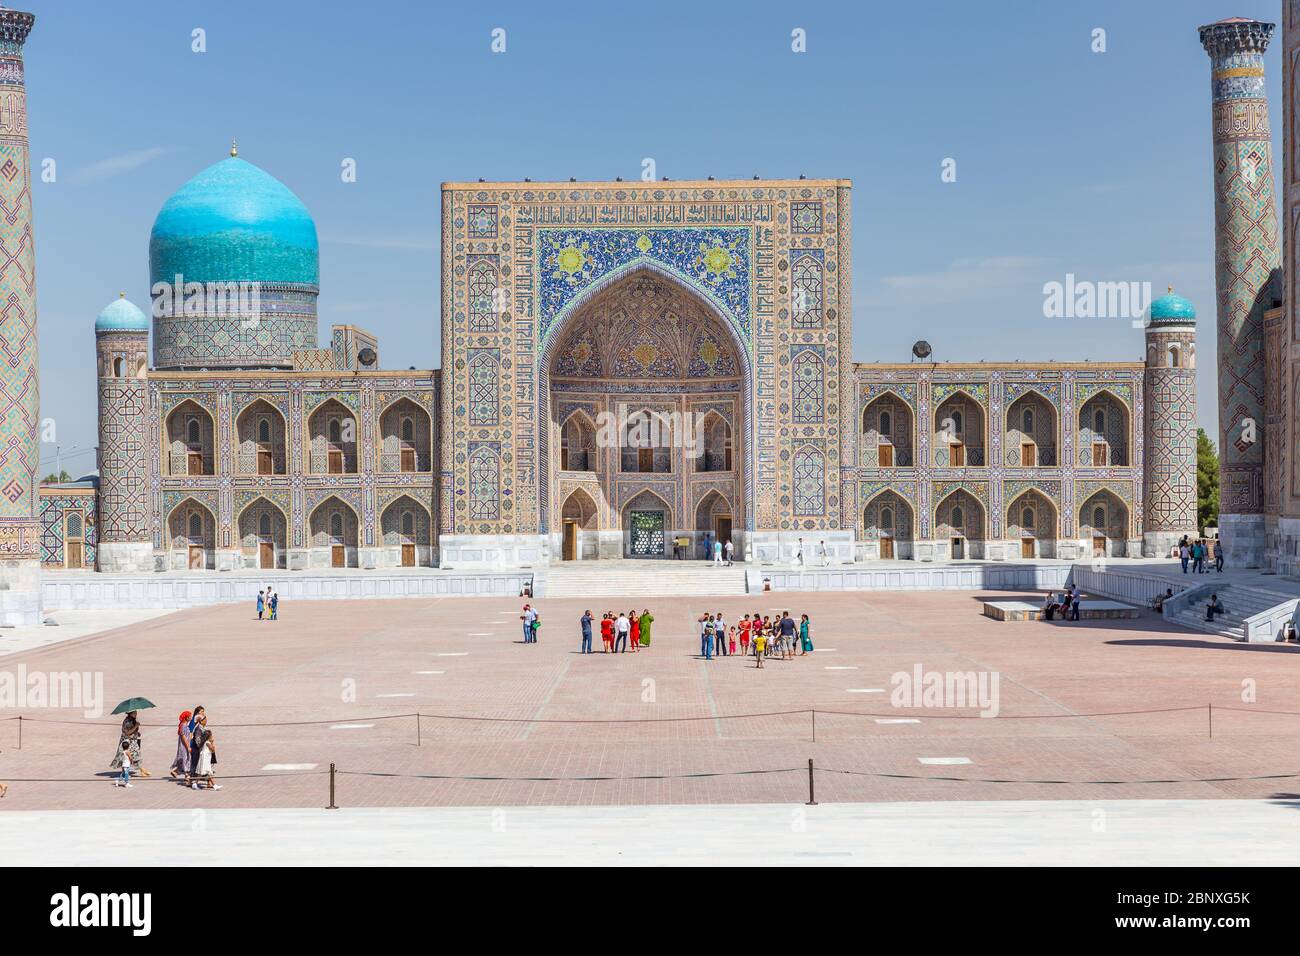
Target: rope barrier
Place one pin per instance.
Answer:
(901, 712)
(918, 776)
(658, 776)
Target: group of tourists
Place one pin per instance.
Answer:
(268, 604)
(755, 634)
(1065, 604)
(196, 752)
(1200, 553)
(619, 630)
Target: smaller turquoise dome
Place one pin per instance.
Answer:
(121, 316)
(1171, 309)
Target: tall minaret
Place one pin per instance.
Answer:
(20, 408)
(1247, 263)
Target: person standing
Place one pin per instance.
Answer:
(1074, 603)
(634, 629)
(744, 635)
(706, 636)
(275, 605)
(646, 620)
(207, 759)
(261, 604)
(607, 632)
(528, 617)
(826, 555)
(717, 554)
(730, 550)
(586, 632)
(1183, 555)
(719, 635)
(621, 627)
(1218, 555)
(805, 634)
(708, 545)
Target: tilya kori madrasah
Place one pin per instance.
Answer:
(627, 368)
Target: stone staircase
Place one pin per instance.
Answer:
(1241, 603)
(636, 578)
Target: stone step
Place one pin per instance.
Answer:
(612, 581)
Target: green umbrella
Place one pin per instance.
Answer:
(133, 703)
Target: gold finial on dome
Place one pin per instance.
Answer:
(121, 295)
(1171, 290)
(234, 148)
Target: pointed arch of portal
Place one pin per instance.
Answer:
(555, 334)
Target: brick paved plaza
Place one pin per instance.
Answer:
(463, 658)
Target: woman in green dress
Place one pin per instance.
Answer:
(646, 620)
(805, 634)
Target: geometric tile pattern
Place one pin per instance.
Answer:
(19, 397)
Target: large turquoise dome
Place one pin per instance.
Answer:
(234, 222)
(1172, 309)
(121, 316)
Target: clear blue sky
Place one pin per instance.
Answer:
(1067, 160)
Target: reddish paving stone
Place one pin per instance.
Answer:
(1052, 678)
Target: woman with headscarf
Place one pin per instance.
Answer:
(182, 764)
(195, 726)
(131, 737)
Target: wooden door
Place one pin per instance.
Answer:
(645, 459)
(338, 556)
(1099, 455)
(195, 466)
(958, 548)
(408, 555)
(196, 557)
(73, 554)
(264, 465)
(1098, 546)
(887, 548)
(1027, 547)
(335, 461)
(886, 456)
(266, 555)
(570, 549)
(958, 454)
(1028, 454)
(722, 529)
(408, 459)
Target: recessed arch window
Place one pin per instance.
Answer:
(1174, 360)
(958, 517)
(886, 424)
(1099, 517)
(264, 525)
(408, 523)
(118, 364)
(196, 527)
(74, 525)
(957, 422)
(408, 429)
(1099, 421)
(1027, 421)
(264, 430)
(335, 431)
(887, 518)
(336, 526)
(1027, 517)
(192, 432)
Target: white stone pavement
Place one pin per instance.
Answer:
(1011, 833)
(72, 625)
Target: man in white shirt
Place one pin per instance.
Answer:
(621, 629)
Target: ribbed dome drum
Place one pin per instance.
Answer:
(233, 258)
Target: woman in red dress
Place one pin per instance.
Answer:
(635, 637)
(606, 632)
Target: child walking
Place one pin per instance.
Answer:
(125, 779)
(760, 647)
(731, 639)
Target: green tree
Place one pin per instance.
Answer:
(1207, 481)
(53, 479)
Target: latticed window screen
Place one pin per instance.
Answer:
(484, 484)
(809, 388)
(483, 386)
(809, 482)
(482, 290)
(806, 292)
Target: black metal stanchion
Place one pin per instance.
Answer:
(417, 728)
(1210, 714)
(814, 716)
(812, 799)
(20, 731)
(331, 806)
